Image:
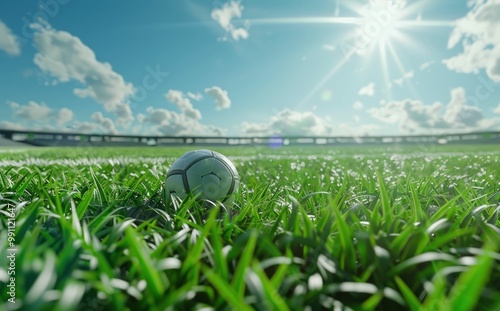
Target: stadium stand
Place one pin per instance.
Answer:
(33, 138)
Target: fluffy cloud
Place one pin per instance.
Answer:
(34, 116)
(412, 115)
(479, 33)
(459, 114)
(93, 127)
(106, 123)
(197, 97)
(358, 105)
(159, 121)
(183, 103)
(256, 129)
(165, 122)
(156, 116)
(65, 115)
(66, 58)
(13, 126)
(40, 114)
(220, 96)
(497, 109)
(416, 117)
(290, 123)
(407, 76)
(329, 47)
(31, 112)
(8, 42)
(124, 114)
(224, 16)
(294, 123)
(368, 90)
(426, 65)
(356, 130)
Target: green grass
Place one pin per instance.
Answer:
(365, 228)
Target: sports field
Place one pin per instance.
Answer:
(361, 228)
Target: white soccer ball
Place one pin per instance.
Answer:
(207, 174)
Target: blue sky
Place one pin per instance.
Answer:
(232, 68)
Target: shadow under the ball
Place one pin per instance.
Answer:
(197, 211)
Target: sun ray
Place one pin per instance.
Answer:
(424, 23)
(353, 6)
(392, 31)
(416, 7)
(342, 20)
(385, 69)
(305, 20)
(327, 77)
(402, 69)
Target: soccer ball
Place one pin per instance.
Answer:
(207, 174)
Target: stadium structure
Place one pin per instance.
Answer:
(38, 138)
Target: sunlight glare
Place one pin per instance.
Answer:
(379, 27)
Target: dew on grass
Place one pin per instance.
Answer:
(447, 187)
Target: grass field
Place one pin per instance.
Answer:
(359, 228)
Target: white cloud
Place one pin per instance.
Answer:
(157, 116)
(64, 116)
(159, 121)
(497, 109)
(43, 127)
(459, 114)
(183, 103)
(358, 105)
(40, 114)
(141, 117)
(224, 16)
(7, 125)
(358, 130)
(293, 123)
(408, 75)
(124, 114)
(256, 129)
(8, 42)
(411, 115)
(32, 111)
(329, 47)
(416, 117)
(426, 65)
(165, 122)
(65, 57)
(35, 116)
(106, 123)
(368, 90)
(220, 96)
(479, 33)
(290, 123)
(490, 124)
(196, 97)
(92, 127)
